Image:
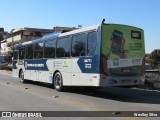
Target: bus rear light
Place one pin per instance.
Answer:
(142, 67)
(103, 65)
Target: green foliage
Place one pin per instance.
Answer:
(147, 58)
(6, 68)
(155, 58)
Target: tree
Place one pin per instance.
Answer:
(147, 58)
(155, 58)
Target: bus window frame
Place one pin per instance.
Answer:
(71, 43)
(33, 45)
(95, 44)
(54, 49)
(17, 55)
(42, 51)
(24, 52)
(85, 33)
(68, 37)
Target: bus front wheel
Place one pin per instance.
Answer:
(58, 82)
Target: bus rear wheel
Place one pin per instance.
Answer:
(58, 82)
(22, 80)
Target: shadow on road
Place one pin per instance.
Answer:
(123, 94)
(135, 95)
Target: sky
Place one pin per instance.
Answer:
(144, 14)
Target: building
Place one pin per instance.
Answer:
(21, 35)
(3, 34)
(4, 50)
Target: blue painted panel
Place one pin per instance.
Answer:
(36, 65)
(89, 64)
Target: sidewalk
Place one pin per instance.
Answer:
(5, 72)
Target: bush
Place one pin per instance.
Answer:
(6, 68)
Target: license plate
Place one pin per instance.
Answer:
(126, 81)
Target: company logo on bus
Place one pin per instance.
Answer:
(88, 63)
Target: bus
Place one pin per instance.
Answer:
(96, 56)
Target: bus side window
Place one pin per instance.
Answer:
(22, 52)
(92, 42)
(49, 49)
(79, 45)
(63, 47)
(15, 55)
(29, 51)
(38, 51)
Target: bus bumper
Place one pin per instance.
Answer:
(122, 81)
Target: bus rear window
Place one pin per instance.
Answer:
(135, 34)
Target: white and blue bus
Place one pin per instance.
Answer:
(96, 56)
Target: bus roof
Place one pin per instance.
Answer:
(45, 37)
(61, 34)
(95, 27)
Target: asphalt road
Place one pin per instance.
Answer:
(33, 96)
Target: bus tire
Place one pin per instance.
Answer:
(58, 82)
(22, 80)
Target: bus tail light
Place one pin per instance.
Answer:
(103, 65)
(142, 67)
